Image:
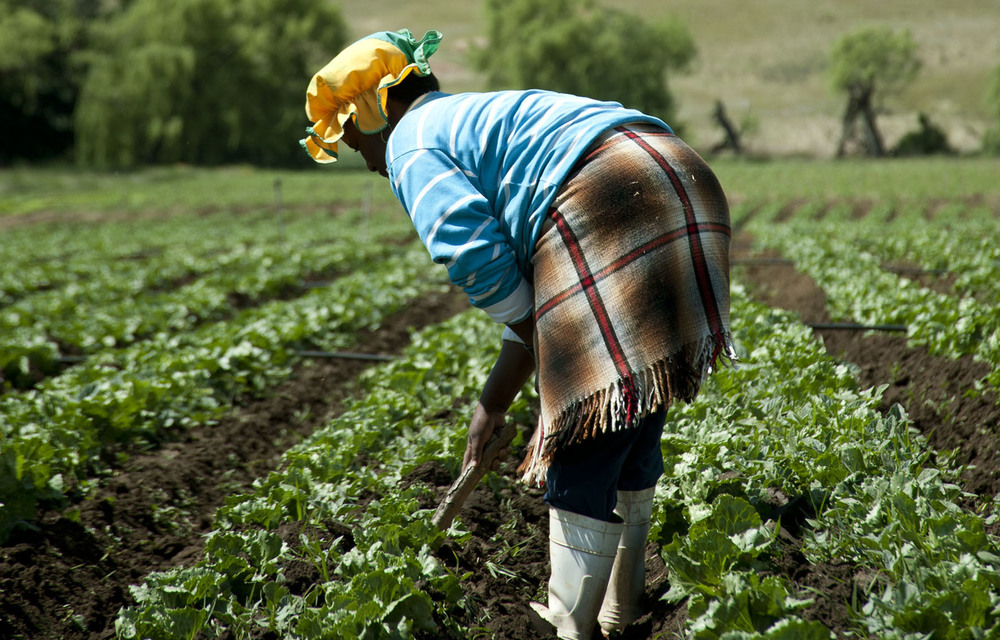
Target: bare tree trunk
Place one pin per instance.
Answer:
(847, 123)
(873, 138)
(859, 104)
(732, 139)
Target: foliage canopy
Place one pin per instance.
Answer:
(991, 142)
(39, 82)
(202, 81)
(874, 57)
(579, 47)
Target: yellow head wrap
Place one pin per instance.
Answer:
(355, 85)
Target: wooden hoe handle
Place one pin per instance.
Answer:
(459, 491)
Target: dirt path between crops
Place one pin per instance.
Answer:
(938, 393)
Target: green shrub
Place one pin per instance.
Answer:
(203, 81)
(579, 47)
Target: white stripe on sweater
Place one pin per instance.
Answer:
(430, 185)
(402, 172)
(475, 235)
(431, 235)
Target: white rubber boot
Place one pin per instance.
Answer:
(628, 578)
(582, 552)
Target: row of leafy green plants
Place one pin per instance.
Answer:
(788, 427)
(127, 256)
(42, 333)
(869, 265)
(379, 580)
(105, 298)
(793, 429)
(60, 435)
(956, 240)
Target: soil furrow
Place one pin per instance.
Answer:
(937, 393)
(69, 576)
(932, 390)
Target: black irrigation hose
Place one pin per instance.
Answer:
(852, 326)
(345, 355)
(902, 270)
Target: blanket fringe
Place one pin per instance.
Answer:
(624, 404)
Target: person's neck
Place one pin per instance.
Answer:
(420, 99)
(396, 109)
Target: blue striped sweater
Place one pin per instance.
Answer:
(476, 173)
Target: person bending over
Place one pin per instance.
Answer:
(599, 240)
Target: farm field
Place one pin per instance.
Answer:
(176, 465)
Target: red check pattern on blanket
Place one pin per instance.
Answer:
(631, 277)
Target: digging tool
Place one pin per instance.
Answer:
(459, 491)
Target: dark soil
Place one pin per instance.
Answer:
(934, 392)
(68, 578)
(937, 393)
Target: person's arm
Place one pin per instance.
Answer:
(512, 369)
(459, 225)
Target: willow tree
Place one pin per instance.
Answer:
(39, 80)
(203, 81)
(866, 65)
(580, 47)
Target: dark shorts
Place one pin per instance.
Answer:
(585, 477)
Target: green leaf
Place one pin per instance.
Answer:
(797, 629)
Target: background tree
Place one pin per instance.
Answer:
(991, 143)
(867, 64)
(39, 80)
(579, 47)
(203, 81)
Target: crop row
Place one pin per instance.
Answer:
(121, 258)
(789, 430)
(846, 258)
(956, 241)
(56, 436)
(83, 286)
(786, 430)
(38, 329)
(362, 537)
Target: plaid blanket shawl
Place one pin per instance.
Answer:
(631, 277)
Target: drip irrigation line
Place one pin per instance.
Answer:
(853, 326)
(346, 355)
(763, 261)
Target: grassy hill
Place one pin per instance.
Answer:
(767, 60)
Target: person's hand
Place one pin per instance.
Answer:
(513, 367)
(482, 426)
